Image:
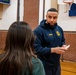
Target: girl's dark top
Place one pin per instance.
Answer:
(38, 68)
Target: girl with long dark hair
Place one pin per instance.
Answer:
(18, 57)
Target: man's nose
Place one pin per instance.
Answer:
(51, 19)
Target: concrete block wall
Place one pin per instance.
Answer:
(31, 12)
(70, 38)
(2, 38)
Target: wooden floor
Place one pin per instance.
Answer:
(68, 68)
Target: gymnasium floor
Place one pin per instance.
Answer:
(68, 68)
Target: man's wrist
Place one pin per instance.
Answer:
(52, 50)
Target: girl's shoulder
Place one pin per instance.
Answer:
(38, 68)
(35, 60)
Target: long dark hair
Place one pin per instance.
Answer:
(18, 50)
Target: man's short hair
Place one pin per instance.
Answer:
(52, 10)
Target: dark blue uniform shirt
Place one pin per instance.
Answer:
(47, 37)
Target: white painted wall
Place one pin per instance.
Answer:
(47, 6)
(61, 1)
(10, 14)
(40, 10)
(66, 22)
